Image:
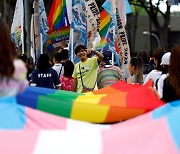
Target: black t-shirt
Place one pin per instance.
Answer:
(47, 79)
(169, 93)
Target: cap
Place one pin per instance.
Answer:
(166, 59)
(107, 56)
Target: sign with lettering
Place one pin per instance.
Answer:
(93, 20)
(123, 44)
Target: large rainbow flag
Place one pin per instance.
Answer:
(117, 102)
(25, 130)
(58, 15)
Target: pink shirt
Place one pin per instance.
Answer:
(66, 83)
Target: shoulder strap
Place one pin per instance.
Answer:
(81, 75)
(60, 71)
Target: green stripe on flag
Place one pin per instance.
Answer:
(59, 103)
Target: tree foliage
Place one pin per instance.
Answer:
(154, 13)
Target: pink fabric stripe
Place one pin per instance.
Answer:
(137, 121)
(40, 120)
(17, 142)
(149, 138)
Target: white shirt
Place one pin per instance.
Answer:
(161, 84)
(154, 75)
(59, 69)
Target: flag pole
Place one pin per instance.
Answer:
(72, 49)
(41, 42)
(27, 26)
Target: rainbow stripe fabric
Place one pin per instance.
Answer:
(118, 102)
(58, 15)
(104, 25)
(25, 130)
(58, 35)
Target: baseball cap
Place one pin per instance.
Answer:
(166, 59)
(107, 56)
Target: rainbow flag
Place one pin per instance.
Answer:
(58, 15)
(58, 35)
(104, 26)
(154, 132)
(117, 102)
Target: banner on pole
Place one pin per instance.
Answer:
(93, 20)
(17, 25)
(79, 23)
(43, 22)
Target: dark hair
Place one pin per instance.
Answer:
(165, 69)
(58, 57)
(68, 68)
(137, 62)
(79, 47)
(43, 62)
(65, 54)
(174, 70)
(157, 54)
(144, 55)
(7, 52)
(107, 57)
(23, 57)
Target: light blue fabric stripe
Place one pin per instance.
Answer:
(12, 115)
(107, 6)
(172, 112)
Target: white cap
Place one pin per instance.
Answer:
(166, 59)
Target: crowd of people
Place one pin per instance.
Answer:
(93, 71)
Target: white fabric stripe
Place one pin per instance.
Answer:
(76, 125)
(69, 142)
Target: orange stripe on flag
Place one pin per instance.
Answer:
(117, 100)
(117, 114)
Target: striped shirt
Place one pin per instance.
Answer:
(108, 75)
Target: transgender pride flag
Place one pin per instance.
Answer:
(26, 131)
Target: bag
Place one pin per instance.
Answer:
(85, 89)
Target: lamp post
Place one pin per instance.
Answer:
(154, 35)
(27, 26)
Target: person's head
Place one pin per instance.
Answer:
(7, 52)
(65, 54)
(81, 52)
(57, 58)
(174, 69)
(24, 58)
(107, 57)
(43, 62)
(68, 68)
(165, 62)
(157, 56)
(136, 68)
(144, 56)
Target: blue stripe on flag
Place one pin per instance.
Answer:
(12, 115)
(172, 112)
(107, 6)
